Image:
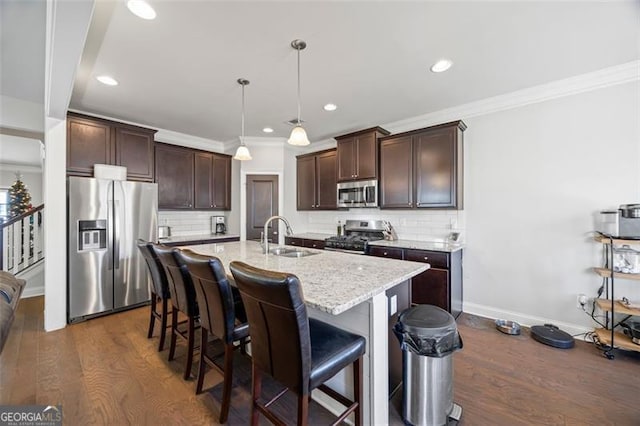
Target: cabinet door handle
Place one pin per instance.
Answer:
(384, 254)
(425, 258)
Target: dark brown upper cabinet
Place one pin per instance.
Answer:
(212, 181)
(174, 176)
(423, 168)
(93, 140)
(396, 172)
(192, 179)
(358, 154)
(316, 181)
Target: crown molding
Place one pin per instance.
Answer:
(182, 139)
(320, 145)
(607, 77)
(166, 136)
(27, 134)
(258, 142)
(20, 167)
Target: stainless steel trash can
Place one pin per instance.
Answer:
(428, 336)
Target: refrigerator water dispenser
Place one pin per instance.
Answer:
(92, 235)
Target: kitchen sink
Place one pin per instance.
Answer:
(291, 252)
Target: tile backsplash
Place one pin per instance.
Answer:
(187, 222)
(409, 224)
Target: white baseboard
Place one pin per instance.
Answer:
(523, 319)
(35, 281)
(32, 292)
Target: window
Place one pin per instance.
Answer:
(4, 204)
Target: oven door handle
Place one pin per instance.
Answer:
(344, 250)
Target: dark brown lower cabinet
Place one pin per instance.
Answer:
(402, 294)
(441, 285)
(304, 242)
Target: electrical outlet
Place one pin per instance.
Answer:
(581, 301)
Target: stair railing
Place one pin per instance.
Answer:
(21, 240)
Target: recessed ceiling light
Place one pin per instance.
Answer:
(105, 79)
(141, 9)
(267, 130)
(330, 107)
(442, 65)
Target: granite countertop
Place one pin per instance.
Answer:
(331, 282)
(420, 245)
(196, 237)
(313, 236)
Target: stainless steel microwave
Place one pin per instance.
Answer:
(362, 193)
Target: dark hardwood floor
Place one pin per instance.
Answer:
(105, 371)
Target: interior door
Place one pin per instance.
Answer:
(262, 203)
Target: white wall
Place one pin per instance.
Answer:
(20, 114)
(269, 157)
(190, 222)
(55, 225)
(535, 177)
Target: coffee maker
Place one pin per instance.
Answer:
(217, 225)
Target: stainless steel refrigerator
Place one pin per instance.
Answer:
(106, 272)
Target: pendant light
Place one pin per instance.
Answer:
(298, 135)
(242, 153)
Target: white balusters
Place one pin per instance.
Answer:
(22, 242)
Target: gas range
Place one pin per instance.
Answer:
(358, 233)
(349, 243)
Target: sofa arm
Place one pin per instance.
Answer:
(11, 289)
(6, 319)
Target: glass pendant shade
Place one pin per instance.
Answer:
(242, 153)
(298, 134)
(298, 137)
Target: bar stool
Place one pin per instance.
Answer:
(221, 314)
(299, 352)
(159, 290)
(183, 299)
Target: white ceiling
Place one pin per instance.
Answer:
(22, 49)
(371, 58)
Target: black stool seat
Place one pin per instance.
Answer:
(331, 349)
(299, 352)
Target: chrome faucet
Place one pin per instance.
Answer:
(265, 234)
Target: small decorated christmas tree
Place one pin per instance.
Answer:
(19, 198)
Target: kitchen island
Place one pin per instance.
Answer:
(348, 291)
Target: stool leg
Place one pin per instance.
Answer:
(203, 354)
(190, 345)
(256, 390)
(357, 390)
(303, 409)
(163, 322)
(228, 379)
(174, 330)
(152, 318)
